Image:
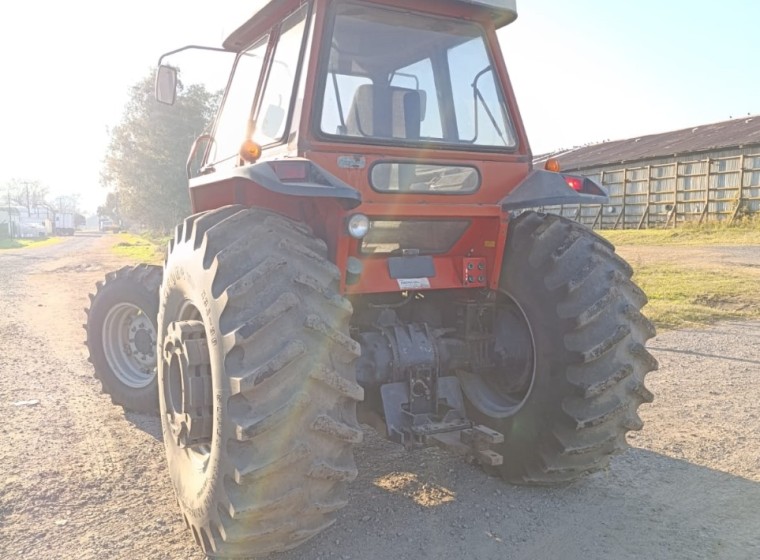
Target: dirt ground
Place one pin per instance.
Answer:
(83, 480)
(746, 257)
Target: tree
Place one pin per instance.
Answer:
(145, 160)
(66, 203)
(111, 208)
(29, 194)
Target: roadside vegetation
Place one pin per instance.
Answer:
(139, 248)
(685, 276)
(6, 243)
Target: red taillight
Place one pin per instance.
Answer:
(575, 183)
(290, 170)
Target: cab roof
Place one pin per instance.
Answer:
(501, 12)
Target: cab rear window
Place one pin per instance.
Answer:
(424, 178)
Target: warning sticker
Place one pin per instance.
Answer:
(413, 283)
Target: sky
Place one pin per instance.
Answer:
(584, 71)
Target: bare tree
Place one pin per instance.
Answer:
(29, 194)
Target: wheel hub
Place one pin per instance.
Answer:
(129, 345)
(142, 340)
(187, 384)
(499, 391)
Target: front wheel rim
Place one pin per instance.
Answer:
(129, 345)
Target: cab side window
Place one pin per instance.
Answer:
(280, 87)
(232, 123)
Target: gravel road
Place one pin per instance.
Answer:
(83, 480)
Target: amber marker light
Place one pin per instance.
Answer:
(250, 151)
(552, 164)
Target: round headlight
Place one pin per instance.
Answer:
(358, 226)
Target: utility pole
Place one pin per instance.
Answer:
(10, 220)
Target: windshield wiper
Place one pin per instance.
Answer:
(479, 96)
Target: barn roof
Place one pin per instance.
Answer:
(732, 133)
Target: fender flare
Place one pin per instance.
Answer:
(546, 188)
(319, 183)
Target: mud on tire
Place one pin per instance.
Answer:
(589, 352)
(278, 455)
(121, 336)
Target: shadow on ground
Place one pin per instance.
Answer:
(429, 504)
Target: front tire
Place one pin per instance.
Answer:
(121, 336)
(568, 401)
(259, 433)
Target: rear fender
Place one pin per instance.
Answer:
(546, 188)
(297, 177)
(293, 187)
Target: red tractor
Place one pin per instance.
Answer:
(362, 243)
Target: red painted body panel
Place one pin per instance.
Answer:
(500, 171)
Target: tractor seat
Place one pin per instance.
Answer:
(386, 112)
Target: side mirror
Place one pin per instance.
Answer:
(166, 85)
(193, 167)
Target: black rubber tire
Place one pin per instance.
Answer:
(590, 358)
(282, 376)
(137, 286)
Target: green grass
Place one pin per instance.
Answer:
(138, 248)
(6, 243)
(747, 233)
(692, 286)
(693, 295)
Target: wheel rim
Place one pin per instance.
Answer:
(129, 344)
(502, 392)
(187, 387)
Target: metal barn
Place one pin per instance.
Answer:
(699, 174)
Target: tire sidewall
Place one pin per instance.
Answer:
(186, 282)
(543, 405)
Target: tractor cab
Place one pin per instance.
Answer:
(400, 120)
(324, 76)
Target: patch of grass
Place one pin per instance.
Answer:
(160, 240)
(138, 249)
(6, 243)
(693, 295)
(747, 233)
(693, 285)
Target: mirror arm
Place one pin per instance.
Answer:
(188, 47)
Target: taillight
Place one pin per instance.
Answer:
(583, 185)
(575, 183)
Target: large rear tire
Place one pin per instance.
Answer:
(576, 341)
(121, 336)
(259, 429)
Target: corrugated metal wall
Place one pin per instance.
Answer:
(666, 192)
